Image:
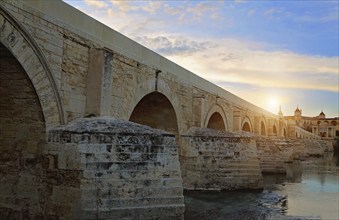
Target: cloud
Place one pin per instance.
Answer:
(333, 16)
(123, 6)
(251, 12)
(235, 61)
(172, 45)
(273, 11)
(152, 6)
(96, 3)
(204, 8)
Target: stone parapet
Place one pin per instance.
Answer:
(117, 170)
(215, 160)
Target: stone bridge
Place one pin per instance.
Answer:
(70, 88)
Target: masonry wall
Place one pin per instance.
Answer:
(116, 170)
(274, 153)
(215, 160)
(22, 135)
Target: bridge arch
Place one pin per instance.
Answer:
(275, 128)
(162, 87)
(156, 111)
(22, 137)
(216, 119)
(246, 125)
(262, 129)
(23, 47)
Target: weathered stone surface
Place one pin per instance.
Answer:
(115, 169)
(274, 153)
(22, 135)
(327, 145)
(215, 160)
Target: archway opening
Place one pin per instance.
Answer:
(263, 129)
(22, 136)
(156, 111)
(216, 122)
(274, 130)
(246, 127)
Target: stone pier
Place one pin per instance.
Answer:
(274, 153)
(104, 168)
(215, 160)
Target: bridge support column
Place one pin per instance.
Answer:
(236, 121)
(216, 160)
(99, 83)
(104, 168)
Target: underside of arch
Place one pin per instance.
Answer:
(246, 127)
(274, 130)
(156, 111)
(216, 122)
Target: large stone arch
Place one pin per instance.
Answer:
(27, 52)
(156, 111)
(22, 141)
(215, 113)
(162, 87)
(246, 125)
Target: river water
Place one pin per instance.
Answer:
(309, 190)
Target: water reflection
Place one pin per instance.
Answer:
(309, 190)
(317, 194)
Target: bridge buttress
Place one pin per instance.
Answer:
(99, 86)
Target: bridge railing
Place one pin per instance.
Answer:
(303, 134)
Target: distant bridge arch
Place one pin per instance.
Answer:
(275, 128)
(247, 125)
(263, 129)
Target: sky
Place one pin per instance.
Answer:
(270, 53)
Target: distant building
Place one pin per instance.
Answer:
(326, 128)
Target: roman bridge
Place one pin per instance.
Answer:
(78, 66)
(63, 72)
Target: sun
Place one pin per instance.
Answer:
(273, 104)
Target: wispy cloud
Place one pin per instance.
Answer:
(123, 6)
(204, 8)
(333, 16)
(96, 3)
(172, 45)
(231, 60)
(273, 11)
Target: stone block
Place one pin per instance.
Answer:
(114, 165)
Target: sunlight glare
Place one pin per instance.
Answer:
(273, 104)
